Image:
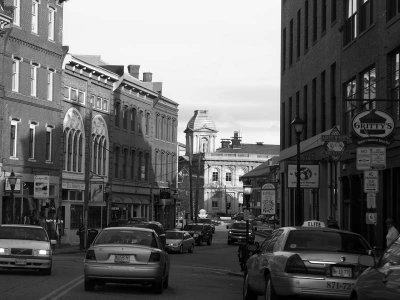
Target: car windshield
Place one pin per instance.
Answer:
(131, 237)
(239, 226)
(305, 240)
(193, 227)
(173, 235)
(23, 233)
(391, 257)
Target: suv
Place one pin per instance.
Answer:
(200, 232)
(237, 233)
(207, 221)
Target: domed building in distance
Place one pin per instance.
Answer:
(215, 172)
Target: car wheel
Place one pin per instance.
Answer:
(191, 249)
(166, 282)
(45, 271)
(269, 289)
(248, 294)
(181, 249)
(209, 241)
(89, 285)
(159, 285)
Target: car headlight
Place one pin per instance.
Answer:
(41, 252)
(195, 235)
(4, 251)
(230, 232)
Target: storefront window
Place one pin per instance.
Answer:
(97, 217)
(76, 216)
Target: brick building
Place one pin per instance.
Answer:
(31, 68)
(339, 59)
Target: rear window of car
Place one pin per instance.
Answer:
(239, 226)
(173, 235)
(130, 237)
(304, 240)
(23, 233)
(193, 227)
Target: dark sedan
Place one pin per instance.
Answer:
(381, 281)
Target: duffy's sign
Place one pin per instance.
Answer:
(373, 124)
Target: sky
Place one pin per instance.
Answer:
(217, 55)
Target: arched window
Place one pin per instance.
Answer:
(73, 141)
(69, 145)
(80, 152)
(105, 168)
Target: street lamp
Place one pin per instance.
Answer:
(12, 180)
(298, 125)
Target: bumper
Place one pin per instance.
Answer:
(287, 285)
(25, 263)
(123, 273)
(240, 239)
(169, 248)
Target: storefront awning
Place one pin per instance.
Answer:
(130, 199)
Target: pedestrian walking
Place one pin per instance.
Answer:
(393, 233)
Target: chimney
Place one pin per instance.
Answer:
(225, 143)
(236, 140)
(133, 70)
(147, 76)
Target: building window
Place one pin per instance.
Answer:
(35, 16)
(99, 102)
(369, 88)
(315, 21)
(117, 113)
(13, 138)
(366, 15)
(283, 49)
(214, 203)
(147, 126)
(323, 16)
(215, 176)
(50, 79)
(395, 84)
(333, 11)
(133, 157)
(173, 130)
(306, 27)
(228, 176)
(140, 122)
(140, 166)
(298, 33)
(16, 12)
(314, 107)
(392, 8)
(49, 142)
(15, 75)
(125, 166)
(291, 43)
(125, 117)
(31, 139)
(116, 163)
(350, 106)
(105, 105)
(133, 119)
(333, 93)
(323, 101)
(81, 97)
(351, 21)
(305, 116)
(52, 13)
(34, 80)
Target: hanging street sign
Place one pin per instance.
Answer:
(371, 158)
(371, 181)
(334, 143)
(268, 199)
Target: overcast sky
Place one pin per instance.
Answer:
(218, 55)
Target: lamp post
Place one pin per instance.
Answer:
(298, 125)
(247, 190)
(12, 180)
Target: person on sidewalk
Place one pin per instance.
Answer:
(393, 233)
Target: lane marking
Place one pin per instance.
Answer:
(68, 286)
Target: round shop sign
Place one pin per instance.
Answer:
(373, 123)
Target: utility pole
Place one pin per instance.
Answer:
(196, 204)
(190, 177)
(87, 173)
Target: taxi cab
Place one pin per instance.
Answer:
(309, 260)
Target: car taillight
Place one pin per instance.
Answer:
(295, 265)
(155, 256)
(90, 255)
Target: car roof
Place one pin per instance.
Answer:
(21, 226)
(129, 228)
(292, 228)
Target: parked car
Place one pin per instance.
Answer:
(156, 226)
(127, 255)
(207, 221)
(200, 232)
(380, 281)
(25, 247)
(306, 261)
(179, 241)
(237, 233)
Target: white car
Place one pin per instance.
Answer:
(25, 247)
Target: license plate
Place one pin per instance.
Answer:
(342, 272)
(339, 285)
(121, 259)
(20, 262)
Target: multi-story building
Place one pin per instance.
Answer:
(209, 177)
(31, 71)
(340, 60)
